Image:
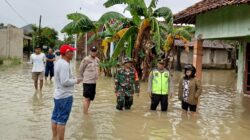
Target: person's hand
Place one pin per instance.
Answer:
(79, 80)
(116, 94)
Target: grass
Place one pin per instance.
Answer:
(6, 63)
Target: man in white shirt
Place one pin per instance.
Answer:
(38, 60)
(63, 95)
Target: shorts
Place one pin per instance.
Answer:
(49, 70)
(62, 110)
(186, 106)
(37, 76)
(156, 99)
(89, 91)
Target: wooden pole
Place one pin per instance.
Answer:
(197, 58)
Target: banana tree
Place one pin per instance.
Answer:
(146, 30)
(81, 24)
(184, 34)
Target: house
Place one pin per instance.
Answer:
(216, 54)
(11, 42)
(221, 20)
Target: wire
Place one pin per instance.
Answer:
(19, 15)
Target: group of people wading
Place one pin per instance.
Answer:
(126, 84)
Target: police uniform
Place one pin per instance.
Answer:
(159, 86)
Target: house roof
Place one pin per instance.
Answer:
(188, 16)
(216, 44)
(28, 29)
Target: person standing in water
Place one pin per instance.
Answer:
(89, 73)
(159, 86)
(126, 83)
(38, 60)
(189, 90)
(63, 95)
(49, 69)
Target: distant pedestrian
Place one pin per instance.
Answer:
(126, 84)
(89, 73)
(38, 60)
(159, 86)
(189, 89)
(63, 95)
(49, 69)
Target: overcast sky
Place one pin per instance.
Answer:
(54, 11)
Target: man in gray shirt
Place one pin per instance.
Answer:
(63, 95)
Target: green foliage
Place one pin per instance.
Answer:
(109, 16)
(1, 61)
(108, 63)
(156, 35)
(125, 38)
(80, 24)
(46, 36)
(164, 12)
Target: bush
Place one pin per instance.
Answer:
(1, 61)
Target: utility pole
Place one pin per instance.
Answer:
(86, 44)
(39, 31)
(75, 45)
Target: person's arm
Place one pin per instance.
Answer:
(198, 88)
(82, 67)
(117, 82)
(51, 60)
(170, 85)
(180, 91)
(31, 59)
(137, 83)
(64, 77)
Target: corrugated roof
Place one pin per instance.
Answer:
(217, 44)
(188, 15)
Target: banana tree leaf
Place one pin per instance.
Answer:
(120, 45)
(157, 36)
(164, 12)
(109, 16)
(110, 3)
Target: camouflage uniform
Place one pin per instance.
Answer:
(126, 83)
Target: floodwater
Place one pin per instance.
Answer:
(25, 115)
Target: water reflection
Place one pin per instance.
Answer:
(25, 114)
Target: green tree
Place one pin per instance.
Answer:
(149, 42)
(45, 37)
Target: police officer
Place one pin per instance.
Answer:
(159, 86)
(126, 83)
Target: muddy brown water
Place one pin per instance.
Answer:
(25, 115)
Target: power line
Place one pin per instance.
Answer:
(19, 15)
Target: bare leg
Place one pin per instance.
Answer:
(184, 112)
(60, 132)
(41, 84)
(194, 114)
(86, 104)
(54, 131)
(36, 84)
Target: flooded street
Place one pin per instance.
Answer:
(25, 115)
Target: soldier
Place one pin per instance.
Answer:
(126, 83)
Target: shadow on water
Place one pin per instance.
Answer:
(25, 114)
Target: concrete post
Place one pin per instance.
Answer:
(197, 58)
